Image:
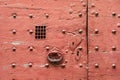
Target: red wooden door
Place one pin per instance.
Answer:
(104, 38)
(59, 40)
(43, 40)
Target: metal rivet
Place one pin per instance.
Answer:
(113, 13)
(118, 15)
(96, 14)
(47, 48)
(80, 14)
(92, 5)
(30, 16)
(47, 15)
(14, 49)
(96, 31)
(14, 15)
(30, 31)
(113, 48)
(14, 31)
(31, 48)
(84, 4)
(80, 48)
(63, 65)
(13, 65)
(30, 64)
(80, 65)
(81, 1)
(113, 66)
(70, 11)
(118, 25)
(66, 61)
(114, 31)
(80, 31)
(63, 31)
(47, 65)
(96, 48)
(96, 65)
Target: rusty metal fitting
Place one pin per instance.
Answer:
(14, 31)
(55, 57)
(14, 15)
(96, 31)
(30, 64)
(30, 16)
(31, 48)
(96, 65)
(92, 5)
(114, 31)
(80, 65)
(63, 31)
(84, 4)
(47, 48)
(80, 14)
(96, 14)
(80, 48)
(113, 66)
(14, 49)
(113, 48)
(47, 15)
(13, 65)
(118, 15)
(113, 13)
(47, 65)
(80, 31)
(96, 48)
(30, 31)
(118, 25)
(63, 65)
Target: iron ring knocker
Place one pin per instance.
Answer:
(55, 57)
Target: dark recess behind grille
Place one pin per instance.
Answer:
(40, 32)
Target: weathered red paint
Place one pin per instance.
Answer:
(104, 48)
(22, 57)
(62, 55)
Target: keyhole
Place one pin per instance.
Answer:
(77, 53)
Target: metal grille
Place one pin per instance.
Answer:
(40, 32)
